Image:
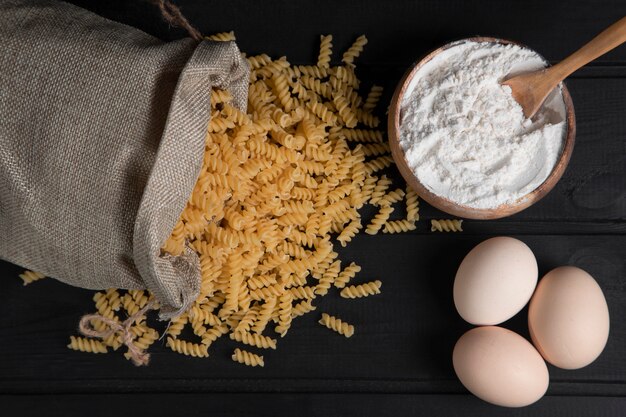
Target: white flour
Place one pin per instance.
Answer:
(464, 135)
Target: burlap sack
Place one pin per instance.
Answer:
(102, 131)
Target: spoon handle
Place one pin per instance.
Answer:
(608, 39)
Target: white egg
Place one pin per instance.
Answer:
(568, 318)
(495, 281)
(500, 367)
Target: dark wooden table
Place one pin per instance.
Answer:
(399, 363)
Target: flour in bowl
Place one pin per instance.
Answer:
(466, 138)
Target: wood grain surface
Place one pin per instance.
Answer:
(399, 361)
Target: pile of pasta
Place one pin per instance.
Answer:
(279, 186)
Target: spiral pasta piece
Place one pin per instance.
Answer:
(258, 61)
(362, 290)
(281, 88)
(328, 278)
(265, 314)
(221, 37)
(284, 314)
(323, 265)
(302, 308)
(177, 325)
(84, 344)
(248, 319)
(391, 197)
(361, 135)
(354, 51)
(376, 149)
(399, 226)
(129, 304)
(253, 339)
(412, 205)
(380, 189)
(322, 111)
(302, 292)
(140, 297)
(326, 46)
(198, 327)
(263, 293)
(337, 325)
(446, 225)
(345, 112)
(219, 125)
(378, 164)
(372, 98)
(349, 232)
(346, 275)
(247, 358)
(214, 333)
(219, 96)
(204, 315)
(232, 292)
(379, 220)
(316, 89)
(107, 303)
(196, 350)
(28, 276)
(259, 281)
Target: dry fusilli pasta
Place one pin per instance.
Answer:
(196, 350)
(326, 46)
(254, 339)
(222, 37)
(354, 51)
(346, 275)
(379, 220)
(412, 205)
(247, 358)
(362, 290)
(28, 276)
(372, 98)
(335, 324)
(275, 183)
(84, 344)
(302, 308)
(399, 226)
(446, 225)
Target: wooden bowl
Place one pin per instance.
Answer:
(451, 207)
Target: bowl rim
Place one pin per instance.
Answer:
(444, 204)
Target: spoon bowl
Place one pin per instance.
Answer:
(451, 207)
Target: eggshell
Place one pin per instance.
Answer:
(569, 318)
(495, 281)
(500, 367)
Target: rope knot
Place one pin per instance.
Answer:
(137, 355)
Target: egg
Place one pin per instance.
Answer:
(495, 281)
(500, 367)
(568, 318)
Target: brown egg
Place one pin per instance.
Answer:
(500, 367)
(569, 318)
(495, 281)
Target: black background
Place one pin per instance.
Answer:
(399, 361)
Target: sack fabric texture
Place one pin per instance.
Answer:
(102, 132)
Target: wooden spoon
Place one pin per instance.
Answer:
(531, 89)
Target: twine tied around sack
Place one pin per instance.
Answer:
(172, 15)
(137, 355)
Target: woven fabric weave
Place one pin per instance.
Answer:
(102, 131)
